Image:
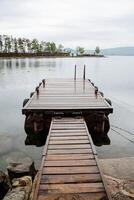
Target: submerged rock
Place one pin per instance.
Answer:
(4, 184)
(21, 189)
(24, 167)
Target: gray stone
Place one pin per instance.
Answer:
(21, 189)
(24, 167)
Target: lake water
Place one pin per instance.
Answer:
(18, 77)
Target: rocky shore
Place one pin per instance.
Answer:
(17, 183)
(20, 182)
(119, 173)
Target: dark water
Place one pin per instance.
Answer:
(18, 77)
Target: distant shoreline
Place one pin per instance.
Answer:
(30, 55)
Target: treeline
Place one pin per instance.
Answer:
(12, 46)
(9, 45)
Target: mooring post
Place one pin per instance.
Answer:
(75, 73)
(96, 91)
(37, 91)
(84, 72)
(43, 81)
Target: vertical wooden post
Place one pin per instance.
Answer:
(96, 91)
(75, 73)
(37, 91)
(84, 72)
(43, 81)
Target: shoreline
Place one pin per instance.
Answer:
(46, 56)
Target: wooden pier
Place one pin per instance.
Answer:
(70, 109)
(69, 169)
(66, 96)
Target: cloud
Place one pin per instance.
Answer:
(78, 22)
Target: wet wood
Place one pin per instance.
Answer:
(74, 196)
(69, 151)
(71, 188)
(70, 146)
(73, 178)
(70, 163)
(70, 157)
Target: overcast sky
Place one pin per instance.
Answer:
(88, 23)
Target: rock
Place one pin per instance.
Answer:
(24, 167)
(120, 189)
(21, 189)
(5, 144)
(4, 184)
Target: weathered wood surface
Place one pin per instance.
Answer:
(69, 171)
(66, 95)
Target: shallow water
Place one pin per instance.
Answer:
(19, 77)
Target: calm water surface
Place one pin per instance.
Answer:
(18, 77)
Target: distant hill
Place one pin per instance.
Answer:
(124, 51)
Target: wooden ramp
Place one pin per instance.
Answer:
(69, 169)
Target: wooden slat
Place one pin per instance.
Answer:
(74, 196)
(73, 178)
(69, 131)
(69, 151)
(69, 142)
(70, 146)
(68, 163)
(70, 138)
(70, 157)
(70, 170)
(71, 188)
(66, 135)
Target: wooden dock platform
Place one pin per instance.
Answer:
(67, 96)
(69, 169)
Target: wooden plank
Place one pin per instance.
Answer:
(69, 142)
(73, 196)
(71, 170)
(69, 138)
(73, 178)
(71, 188)
(70, 146)
(68, 128)
(69, 131)
(70, 157)
(69, 151)
(66, 135)
(67, 163)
